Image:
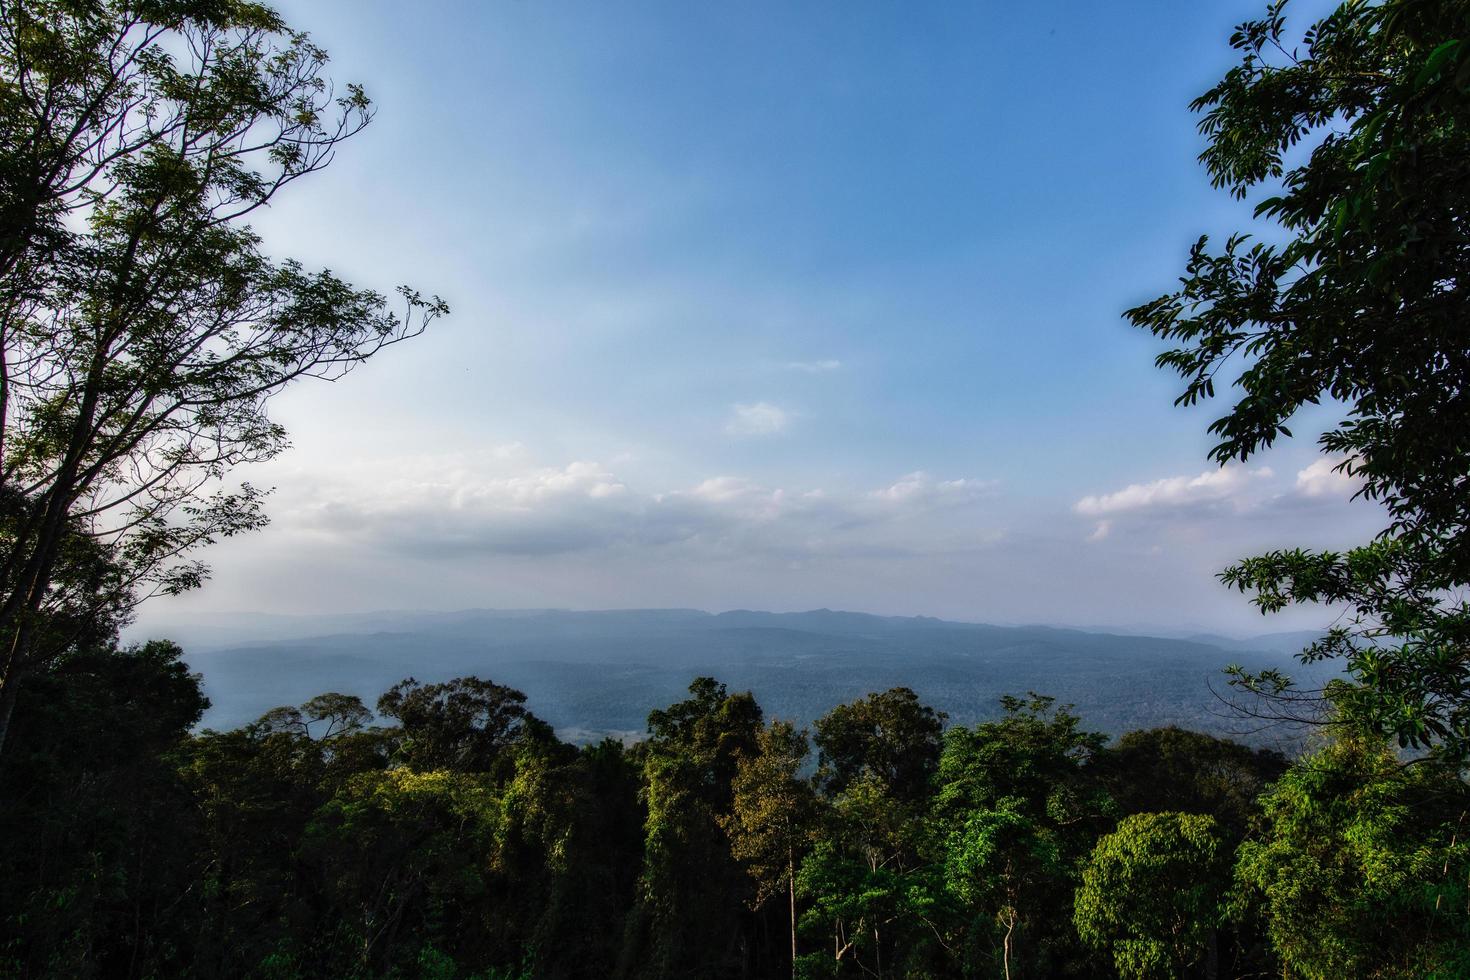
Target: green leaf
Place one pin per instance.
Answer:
(1448, 51)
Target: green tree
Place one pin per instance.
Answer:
(688, 917)
(465, 724)
(1363, 867)
(1016, 809)
(583, 819)
(142, 328)
(1170, 769)
(869, 887)
(1153, 894)
(892, 736)
(773, 815)
(998, 860)
(410, 862)
(324, 717)
(876, 907)
(255, 791)
(1355, 135)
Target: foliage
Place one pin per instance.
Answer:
(773, 815)
(309, 843)
(465, 724)
(1153, 893)
(96, 828)
(142, 328)
(685, 921)
(1017, 804)
(773, 808)
(890, 736)
(1172, 769)
(1362, 125)
(1363, 866)
(407, 859)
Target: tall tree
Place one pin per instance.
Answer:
(773, 815)
(142, 328)
(98, 833)
(1355, 135)
(869, 884)
(1171, 769)
(688, 919)
(1016, 808)
(464, 724)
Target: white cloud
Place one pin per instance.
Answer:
(1228, 483)
(757, 419)
(724, 489)
(487, 504)
(1324, 479)
(1100, 533)
(814, 367)
(921, 487)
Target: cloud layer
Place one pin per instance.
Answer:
(502, 504)
(1226, 485)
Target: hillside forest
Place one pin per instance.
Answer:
(461, 838)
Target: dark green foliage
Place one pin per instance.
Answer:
(1172, 769)
(143, 329)
(1019, 804)
(96, 827)
(589, 822)
(890, 737)
(873, 895)
(685, 922)
(465, 724)
(257, 789)
(1355, 131)
(466, 840)
(311, 843)
(1362, 867)
(1363, 301)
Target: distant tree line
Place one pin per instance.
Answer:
(454, 835)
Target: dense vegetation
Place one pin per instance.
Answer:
(452, 834)
(461, 838)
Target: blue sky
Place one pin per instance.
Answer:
(776, 305)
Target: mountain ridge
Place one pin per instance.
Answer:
(593, 673)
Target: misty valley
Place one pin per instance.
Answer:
(597, 674)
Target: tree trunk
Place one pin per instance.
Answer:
(9, 692)
(791, 893)
(1006, 947)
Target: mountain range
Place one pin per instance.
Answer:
(598, 674)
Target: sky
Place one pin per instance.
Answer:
(770, 305)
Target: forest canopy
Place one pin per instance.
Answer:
(456, 835)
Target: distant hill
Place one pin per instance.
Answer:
(599, 673)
